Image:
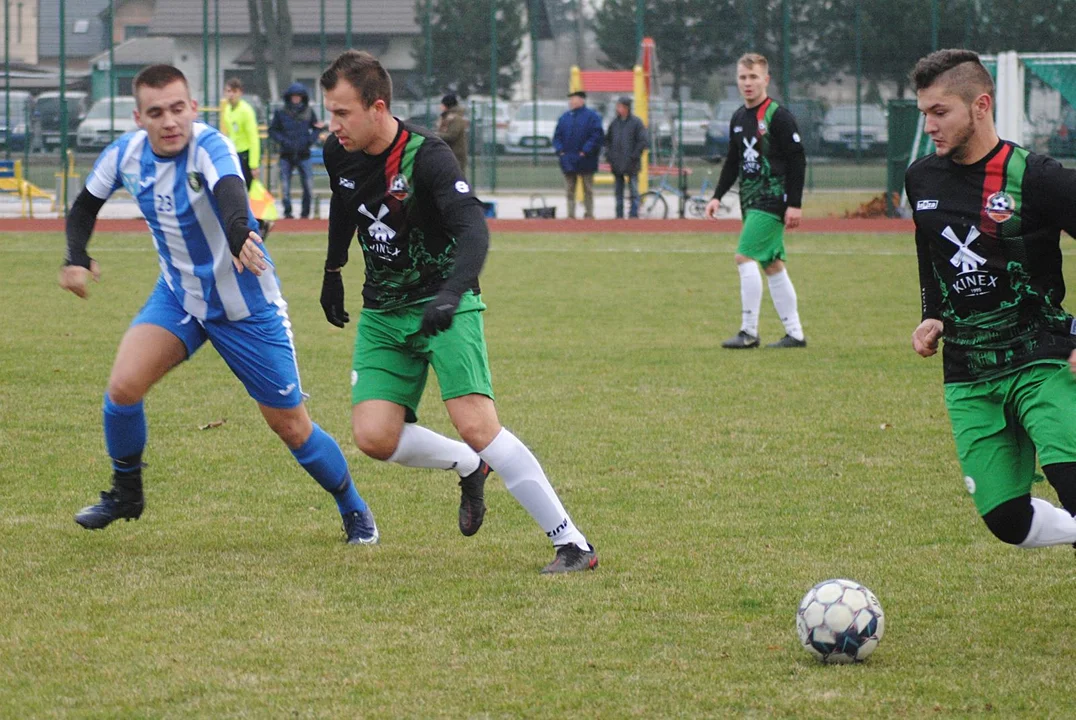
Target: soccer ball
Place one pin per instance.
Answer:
(840, 621)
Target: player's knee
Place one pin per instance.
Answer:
(1011, 520)
(477, 431)
(125, 391)
(375, 443)
(294, 430)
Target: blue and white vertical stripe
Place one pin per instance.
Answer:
(175, 194)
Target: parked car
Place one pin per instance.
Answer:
(422, 120)
(839, 130)
(695, 118)
(810, 117)
(523, 136)
(96, 131)
(15, 133)
(717, 135)
(47, 118)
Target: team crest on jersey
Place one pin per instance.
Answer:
(399, 188)
(130, 183)
(762, 127)
(194, 181)
(1000, 206)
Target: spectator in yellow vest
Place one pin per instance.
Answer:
(239, 123)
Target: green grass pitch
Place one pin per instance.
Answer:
(718, 487)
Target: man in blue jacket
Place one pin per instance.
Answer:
(578, 140)
(294, 129)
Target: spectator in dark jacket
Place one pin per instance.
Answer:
(625, 141)
(452, 128)
(578, 142)
(294, 129)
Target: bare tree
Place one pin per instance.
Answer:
(278, 29)
(261, 68)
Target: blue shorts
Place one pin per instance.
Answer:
(258, 349)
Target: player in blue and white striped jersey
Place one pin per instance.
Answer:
(216, 283)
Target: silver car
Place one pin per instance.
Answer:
(98, 131)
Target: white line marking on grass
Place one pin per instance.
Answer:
(565, 250)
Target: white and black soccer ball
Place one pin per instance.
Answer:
(840, 621)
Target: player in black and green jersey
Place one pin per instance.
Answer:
(988, 217)
(424, 240)
(766, 154)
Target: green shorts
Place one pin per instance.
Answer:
(1001, 425)
(392, 358)
(762, 237)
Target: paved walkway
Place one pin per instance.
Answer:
(508, 205)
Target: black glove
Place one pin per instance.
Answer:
(332, 299)
(439, 312)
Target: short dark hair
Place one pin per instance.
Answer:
(233, 83)
(363, 72)
(961, 70)
(157, 77)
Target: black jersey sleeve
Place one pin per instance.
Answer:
(437, 171)
(230, 192)
(1056, 186)
(731, 169)
(341, 223)
(929, 291)
(786, 136)
(80, 221)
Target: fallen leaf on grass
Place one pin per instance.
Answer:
(885, 426)
(212, 424)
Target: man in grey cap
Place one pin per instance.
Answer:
(625, 141)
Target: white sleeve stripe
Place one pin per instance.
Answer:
(104, 177)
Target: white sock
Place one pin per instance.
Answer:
(750, 296)
(422, 448)
(1049, 526)
(523, 476)
(784, 301)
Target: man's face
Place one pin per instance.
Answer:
(295, 99)
(354, 125)
(575, 102)
(166, 114)
(622, 110)
(949, 121)
(233, 95)
(752, 82)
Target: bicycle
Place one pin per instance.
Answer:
(654, 205)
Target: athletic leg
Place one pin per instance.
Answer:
(145, 355)
(261, 353)
(785, 303)
(475, 417)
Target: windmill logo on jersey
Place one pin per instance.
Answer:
(1000, 206)
(751, 165)
(399, 188)
(971, 280)
(380, 233)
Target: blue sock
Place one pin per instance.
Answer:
(324, 460)
(125, 436)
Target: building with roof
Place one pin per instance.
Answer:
(386, 28)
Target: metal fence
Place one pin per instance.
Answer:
(845, 118)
